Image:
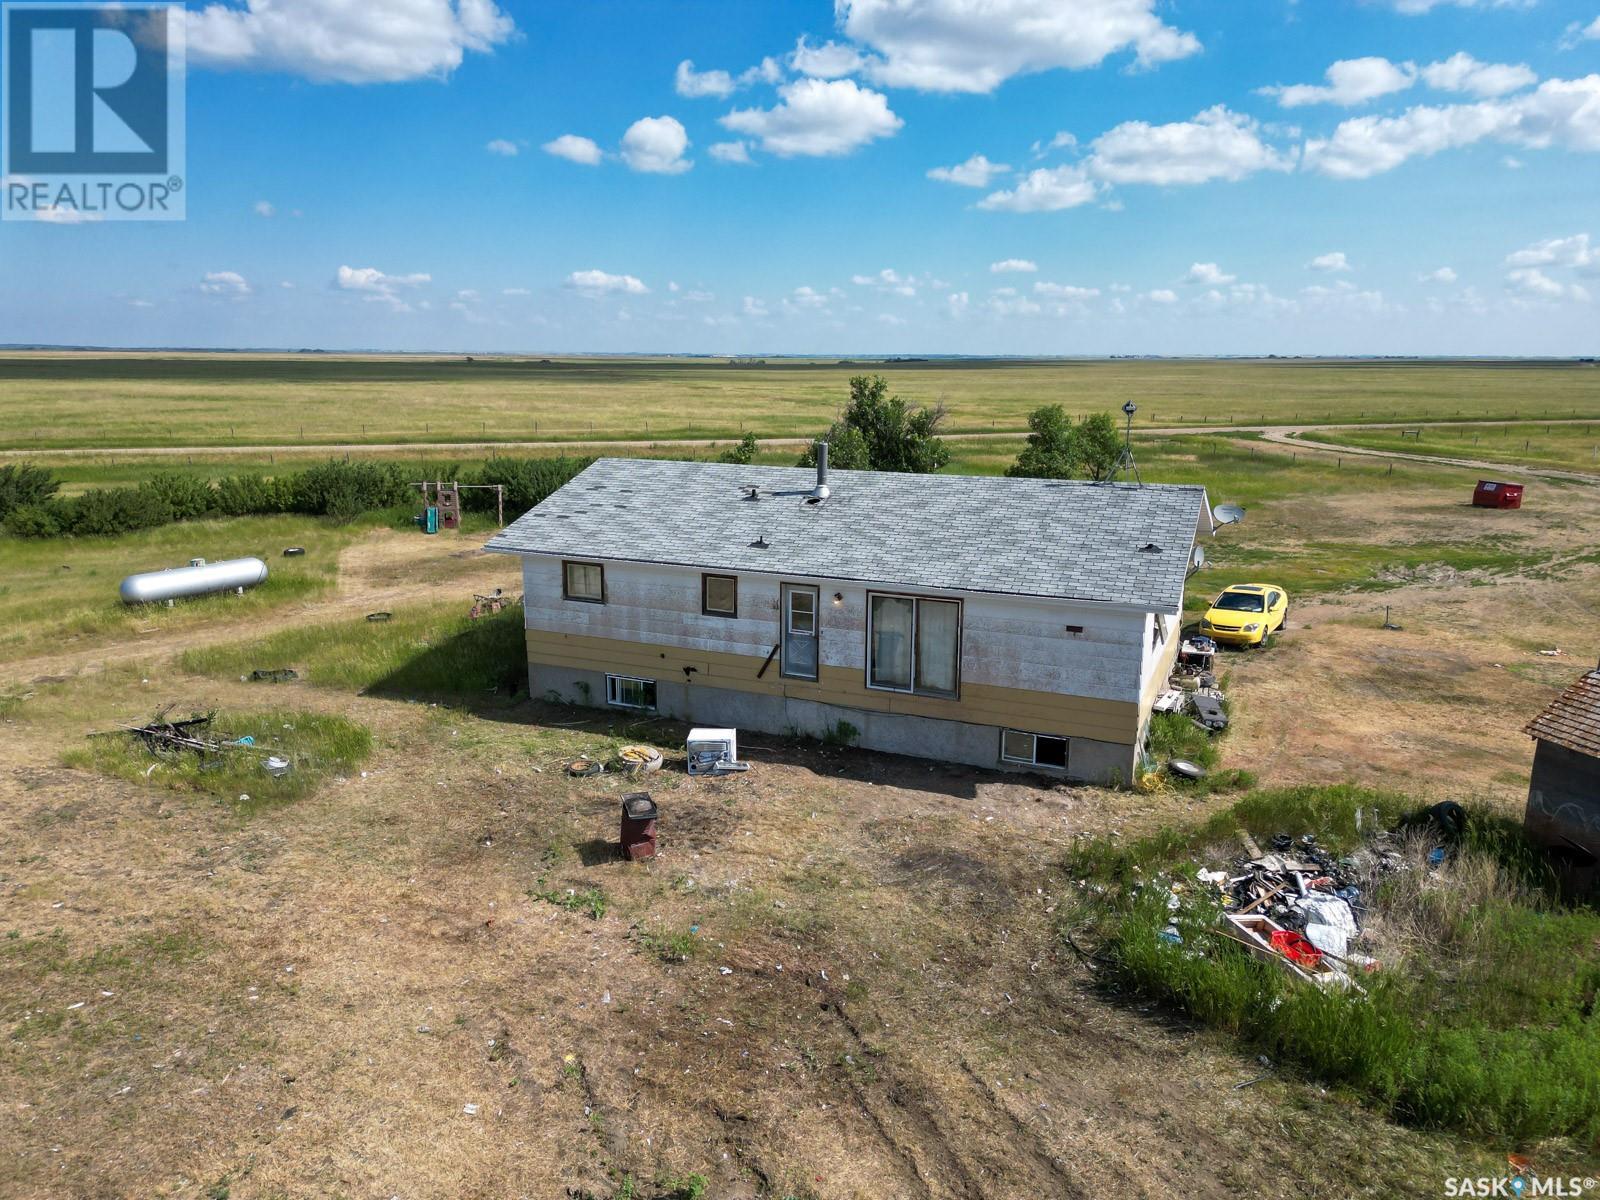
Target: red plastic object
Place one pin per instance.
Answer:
(1491, 493)
(1296, 948)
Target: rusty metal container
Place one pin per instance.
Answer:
(639, 817)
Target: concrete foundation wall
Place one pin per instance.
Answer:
(1088, 760)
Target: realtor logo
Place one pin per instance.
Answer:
(91, 111)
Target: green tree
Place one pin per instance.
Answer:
(1059, 449)
(25, 486)
(1099, 445)
(880, 432)
(742, 453)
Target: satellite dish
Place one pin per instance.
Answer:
(1198, 558)
(1227, 514)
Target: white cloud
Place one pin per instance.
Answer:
(54, 215)
(378, 287)
(1162, 296)
(809, 297)
(1064, 291)
(599, 283)
(515, 291)
(831, 60)
(656, 145)
(817, 117)
(1579, 32)
(720, 84)
(694, 84)
(1575, 251)
(755, 308)
(1561, 112)
(1351, 81)
(1332, 262)
(502, 147)
(574, 148)
(1463, 73)
(264, 208)
(1535, 284)
(1441, 275)
(1216, 144)
(975, 45)
(1047, 189)
(957, 303)
(225, 283)
(1209, 274)
(1063, 140)
(1012, 264)
(346, 41)
(730, 152)
(976, 172)
(890, 280)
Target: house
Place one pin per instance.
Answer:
(1005, 623)
(1564, 790)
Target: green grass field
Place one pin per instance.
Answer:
(61, 590)
(1575, 447)
(61, 400)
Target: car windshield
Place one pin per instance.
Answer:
(1241, 602)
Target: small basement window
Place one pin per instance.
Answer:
(584, 581)
(624, 691)
(1033, 749)
(719, 595)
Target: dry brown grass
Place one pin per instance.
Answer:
(926, 1037)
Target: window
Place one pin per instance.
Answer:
(914, 645)
(1033, 749)
(584, 581)
(623, 691)
(719, 595)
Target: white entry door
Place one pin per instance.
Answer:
(800, 618)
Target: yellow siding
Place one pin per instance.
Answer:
(979, 704)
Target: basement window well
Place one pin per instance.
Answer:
(624, 691)
(1033, 749)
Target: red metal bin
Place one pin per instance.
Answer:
(639, 816)
(1491, 493)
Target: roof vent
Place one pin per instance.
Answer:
(1149, 548)
(760, 543)
(752, 491)
(821, 491)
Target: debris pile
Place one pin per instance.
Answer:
(1299, 906)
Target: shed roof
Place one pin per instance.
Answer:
(1112, 543)
(1573, 718)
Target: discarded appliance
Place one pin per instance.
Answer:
(712, 751)
(199, 578)
(1492, 493)
(639, 817)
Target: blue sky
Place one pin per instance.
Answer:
(914, 176)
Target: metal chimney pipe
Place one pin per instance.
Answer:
(821, 491)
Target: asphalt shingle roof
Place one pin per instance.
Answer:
(1026, 537)
(1573, 718)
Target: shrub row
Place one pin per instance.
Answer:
(30, 508)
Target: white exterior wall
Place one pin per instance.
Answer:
(1007, 641)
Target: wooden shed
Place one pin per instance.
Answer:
(1564, 791)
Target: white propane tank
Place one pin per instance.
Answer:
(200, 578)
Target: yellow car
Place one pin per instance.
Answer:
(1246, 614)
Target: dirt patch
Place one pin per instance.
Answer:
(953, 873)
